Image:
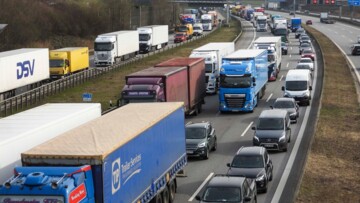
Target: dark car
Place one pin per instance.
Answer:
(355, 49)
(255, 163)
(309, 22)
(223, 188)
(288, 104)
(284, 48)
(200, 139)
(304, 46)
(308, 54)
(272, 130)
(299, 32)
(305, 39)
(180, 37)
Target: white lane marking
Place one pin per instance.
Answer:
(269, 97)
(290, 48)
(218, 113)
(247, 128)
(335, 32)
(287, 65)
(201, 186)
(343, 36)
(294, 151)
(281, 77)
(290, 56)
(350, 32)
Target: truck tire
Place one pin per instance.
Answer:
(172, 191)
(166, 195)
(157, 199)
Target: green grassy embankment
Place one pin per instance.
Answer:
(332, 172)
(108, 86)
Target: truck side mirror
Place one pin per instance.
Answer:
(283, 88)
(254, 79)
(310, 87)
(228, 165)
(198, 198)
(253, 128)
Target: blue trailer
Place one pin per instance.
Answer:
(129, 155)
(243, 78)
(295, 24)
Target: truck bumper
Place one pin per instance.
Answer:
(248, 107)
(103, 63)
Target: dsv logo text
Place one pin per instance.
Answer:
(25, 69)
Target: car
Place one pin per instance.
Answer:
(252, 162)
(309, 22)
(308, 54)
(198, 29)
(284, 48)
(305, 39)
(299, 32)
(358, 39)
(224, 188)
(288, 104)
(272, 130)
(304, 46)
(272, 71)
(307, 60)
(355, 49)
(291, 13)
(180, 37)
(200, 139)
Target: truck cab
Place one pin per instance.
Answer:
(59, 64)
(188, 29)
(295, 24)
(261, 23)
(105, 50)
(145, 39)
(206, 20)
(49, 185)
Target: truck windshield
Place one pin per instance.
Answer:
(182, 29)
(296, 85)
(271, 58)
(55, 63)
(261, 22)
(280, 31)
(270, 124)
(144, 37)
(103, 46)
(30, 198)
(235, 81)
(208, 67)
(206, 21)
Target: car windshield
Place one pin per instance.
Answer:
(284, 104)
(296, 85)
(195, 133)
(197, 28)
(303, 66)
(235, 81)
(242, 161)
(305, 60)
(270, 124)
(305, 45)
(305, 38)
(307, 52)
(179, 35)
(283, 44)
(222, 194)
(299, 31)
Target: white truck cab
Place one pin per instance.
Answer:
(206, 21)
(211, 70)
(104, 50)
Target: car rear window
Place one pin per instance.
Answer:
(242, 161)
(270, 124)
(222, 194)
(284, 104)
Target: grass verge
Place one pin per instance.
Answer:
(107, 87)
(332, 172)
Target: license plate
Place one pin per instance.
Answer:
(189, 152)
(268, 145)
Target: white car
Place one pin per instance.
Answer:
(307, 61)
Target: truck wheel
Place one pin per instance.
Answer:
(172, 191)
(166, 195)
(157, 199)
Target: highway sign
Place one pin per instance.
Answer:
(87, 97)
(354, 2)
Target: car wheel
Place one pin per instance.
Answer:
(271, 176)
(206, 155)
(285, 150)
(215, 145)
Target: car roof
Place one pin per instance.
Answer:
(273, 113)
(198, 125)
(251, 150)
(307, 58)
(226, 181)
(308, 51)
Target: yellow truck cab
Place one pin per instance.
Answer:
(187, 28)
(69, 60)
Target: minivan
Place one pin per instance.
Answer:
(272, 130)
(298, 85)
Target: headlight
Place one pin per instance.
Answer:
(286, 94)
(223, 105)
(203, 144)
(248, 105)
(212, 77)
(306, 94)
(261, 177)
(282, 138)
(256, 138)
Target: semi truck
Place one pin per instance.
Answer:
(66, 61)
(273, 47)
(131, 154)
(206, 20)
(261, 23)
(186, 29)
(243, 78)
(213, 53)
(153, 37)
(22, 70)
(195, 78)
(295, 24)
(110, 48)
(214, 18)
(22, 131)
(187, 18)
(325, 18)
(282, 31)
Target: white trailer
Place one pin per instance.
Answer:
(207, 22)
(273, 45)
(153, 37)
(213, 53)
(113, 47)
(25, 130)
(22, 70)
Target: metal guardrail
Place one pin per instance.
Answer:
(35, 96)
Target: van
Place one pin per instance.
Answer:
(298, 85)
(198, 29)
(272, 130)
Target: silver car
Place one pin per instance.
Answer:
(288, 104)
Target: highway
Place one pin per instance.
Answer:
(233, 130)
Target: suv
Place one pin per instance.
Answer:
(255, 163)
(223, 188)
(355, 49)
(200, 139)
(284, 48)
(273, 130)
(299, 32)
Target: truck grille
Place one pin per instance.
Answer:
(235, 100)
(102, 57)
